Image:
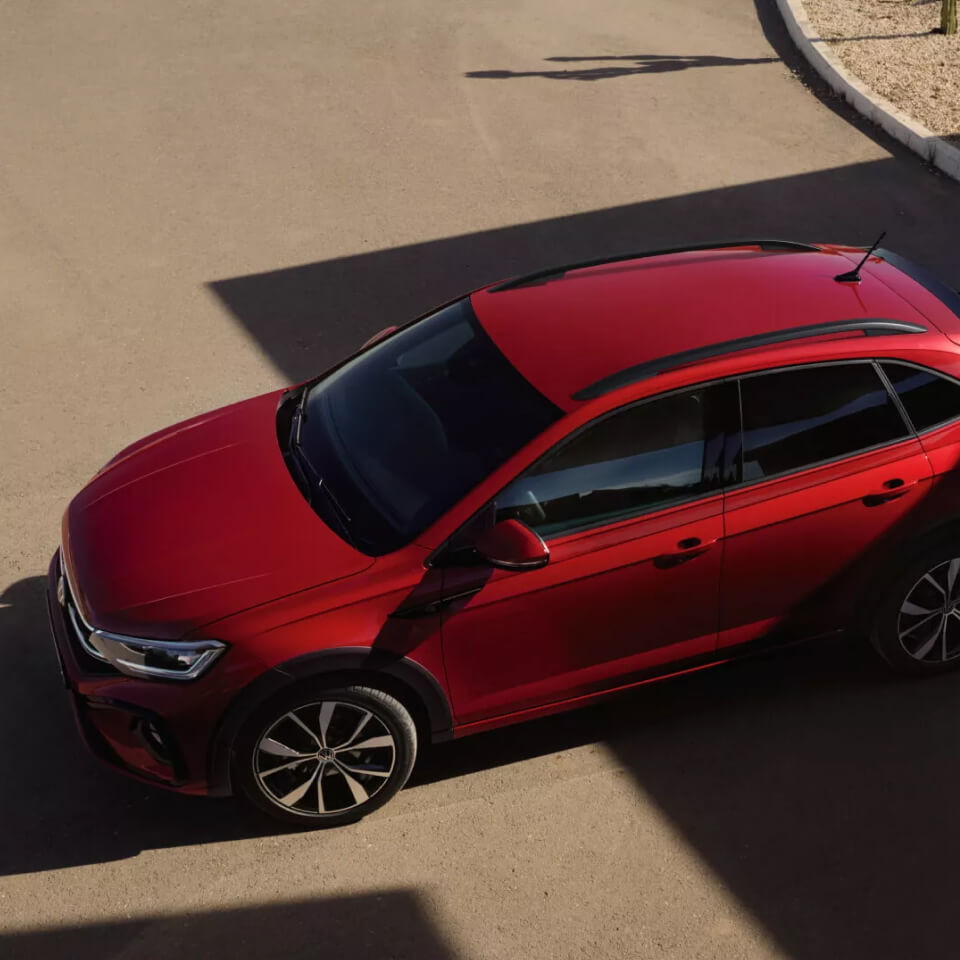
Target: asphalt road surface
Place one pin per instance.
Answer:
(200, 202)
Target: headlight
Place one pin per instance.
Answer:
(171, 660)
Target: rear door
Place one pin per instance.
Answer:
(831, 477)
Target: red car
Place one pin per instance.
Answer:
(555, 488)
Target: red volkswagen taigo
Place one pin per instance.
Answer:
(559, 486)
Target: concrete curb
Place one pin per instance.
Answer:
(874, 107)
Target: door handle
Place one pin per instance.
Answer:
(891, 490)
(687, 549)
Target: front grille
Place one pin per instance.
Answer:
(77, 628)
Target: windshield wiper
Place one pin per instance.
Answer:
(294, 454)
(299, 417)
(324, 488)
(306, 469)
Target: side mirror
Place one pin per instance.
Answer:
(512, 545)
(377, 337)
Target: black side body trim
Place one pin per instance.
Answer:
(924, 277)
(643, 371)
(542, 276)
(316, 665)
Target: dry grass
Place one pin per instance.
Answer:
(889, 44)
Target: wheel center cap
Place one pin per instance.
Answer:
(325, 754)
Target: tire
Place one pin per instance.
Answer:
(917, 626)
(293, 758)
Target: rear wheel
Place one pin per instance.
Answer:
(917, 629)
(326, 757)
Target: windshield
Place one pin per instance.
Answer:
(396, 436)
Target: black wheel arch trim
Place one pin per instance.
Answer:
(340, 660)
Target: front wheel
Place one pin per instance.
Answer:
(326, 757)
(917, 628)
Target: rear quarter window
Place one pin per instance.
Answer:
(928, 397)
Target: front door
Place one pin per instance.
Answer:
(632, 510)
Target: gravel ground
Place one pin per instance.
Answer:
(889, 45)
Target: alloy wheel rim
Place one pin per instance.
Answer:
(324, 757)
(928, 625)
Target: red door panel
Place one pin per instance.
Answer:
(942, 505)
(942, 446)
(794, 545)
(610, 602)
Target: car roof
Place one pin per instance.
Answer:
(566, 331)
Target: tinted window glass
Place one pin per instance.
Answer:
(929, 398)
(796, 418)
(399, 434)
(629, 462)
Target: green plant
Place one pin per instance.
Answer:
(948, 16)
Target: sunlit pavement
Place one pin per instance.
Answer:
(200, 202)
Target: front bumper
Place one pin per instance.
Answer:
(142, 728)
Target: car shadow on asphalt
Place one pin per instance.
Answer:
(380, 923)
(817, 787)
(306, 317)
(815, 784)
(61, 807)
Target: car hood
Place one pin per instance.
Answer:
(197, 522)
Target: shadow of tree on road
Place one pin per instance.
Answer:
(642, 63)
(878, 36)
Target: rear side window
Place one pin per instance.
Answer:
(797, 418)
(928, 398)
(633, 461)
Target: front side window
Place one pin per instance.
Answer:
(398, 435)
(797, 418)
(630, 462)
(928, 398)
